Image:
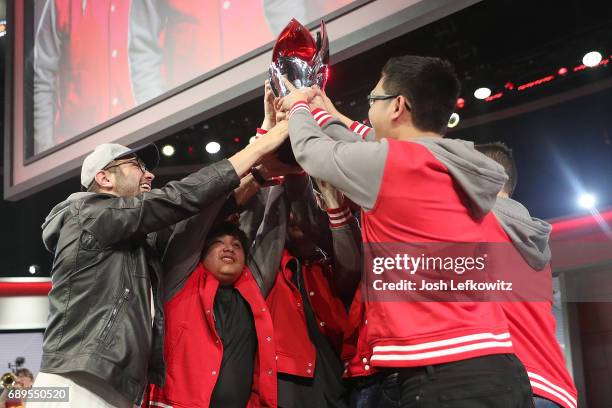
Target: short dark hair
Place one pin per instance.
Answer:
(226, 228)
(430, 85)
(24, 372)
(502, 154)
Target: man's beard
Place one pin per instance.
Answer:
(126, 189)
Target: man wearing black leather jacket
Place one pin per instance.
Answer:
(104, 337)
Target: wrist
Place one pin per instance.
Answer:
(339, 217)
(321, 116)
(263, 171)
(258, 176)
(298, 105)
(267, 124)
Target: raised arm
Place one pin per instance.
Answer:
(335, 124)
(116, 219)
(184, 248)
(355, 168)
(269, 241)
(346, 242)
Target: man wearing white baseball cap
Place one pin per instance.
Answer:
(104, 338)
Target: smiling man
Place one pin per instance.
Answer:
(104, 338)
(219, 333)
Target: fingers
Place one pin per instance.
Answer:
(288, 84)
(268, 90)
(280, 115)
(278, 104)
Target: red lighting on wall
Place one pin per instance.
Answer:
(460, 103)
(190, 149)
(493, 97)
(536, 82)
(509, 86)
(237, 139)
(583, 67)
(562, 71)
(579, 67)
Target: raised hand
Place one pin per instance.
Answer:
(295, 95)
(331, 197)
(270, 114)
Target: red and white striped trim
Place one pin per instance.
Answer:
(339, 217)
(321, 116)
(544, 388)
(299, 105)
(361, 129)
(159, 404)
(416, 352)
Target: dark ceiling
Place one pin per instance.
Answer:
(561, 149)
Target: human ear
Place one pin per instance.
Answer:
(104, 179)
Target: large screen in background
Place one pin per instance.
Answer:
(94, 60)
(84, 72)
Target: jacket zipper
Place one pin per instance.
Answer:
(124, 297)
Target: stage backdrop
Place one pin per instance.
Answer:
(80, 72)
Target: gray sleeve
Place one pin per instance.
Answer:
(47, 54)
(145, 53)
(347, 259)
(355, 168)
(269, 242)
(184, 248)
(338, 131)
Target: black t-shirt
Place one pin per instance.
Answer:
(325, 389)
(235, 326)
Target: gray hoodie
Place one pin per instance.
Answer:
(529, 235)
(357, 168)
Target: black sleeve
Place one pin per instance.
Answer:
(310, 218)
(269, 236)
(116, 219)
(184, 248)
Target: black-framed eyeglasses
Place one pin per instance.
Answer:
(372, 98)
(136, 162)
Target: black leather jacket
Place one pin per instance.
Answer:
(107, 260)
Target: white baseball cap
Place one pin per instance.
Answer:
(107, 152)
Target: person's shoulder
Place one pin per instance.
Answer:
(92, 202)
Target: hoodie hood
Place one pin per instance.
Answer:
(55, 220)
(480, 177)
(529, 235)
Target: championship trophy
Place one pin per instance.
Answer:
(301, 59)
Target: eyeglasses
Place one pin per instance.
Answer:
(372, 98)
(138, 163)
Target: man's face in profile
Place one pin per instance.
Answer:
(129, 177)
